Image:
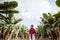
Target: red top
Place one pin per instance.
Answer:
(32, 31)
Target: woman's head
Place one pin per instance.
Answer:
(32, 26)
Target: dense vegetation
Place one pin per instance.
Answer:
(49, 27)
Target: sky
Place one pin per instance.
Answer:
(31, 10)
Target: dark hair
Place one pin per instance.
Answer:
(31, 25)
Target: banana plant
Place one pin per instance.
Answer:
(38, 31)
(8, 9)
(51, 22)
(47, 18)
(24, 31)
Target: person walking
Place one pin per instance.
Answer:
(32, 33)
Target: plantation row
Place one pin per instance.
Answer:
(49, 28)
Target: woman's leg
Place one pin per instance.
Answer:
(29, 37)
(33, 37)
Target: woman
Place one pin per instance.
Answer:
(32, 33)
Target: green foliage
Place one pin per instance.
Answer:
(16, 21)
(38, 31)
(43, 20)
(51, 19)
(57, 15)
(47, 18)
(23, 31)
(8, 11)
(2, 16)
(8, 5)
(7, 8)
(2, 22)
(58, 3)
(51, 22)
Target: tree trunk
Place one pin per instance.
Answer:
(11, 34)
(23, 36)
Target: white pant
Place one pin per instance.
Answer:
(33, 37)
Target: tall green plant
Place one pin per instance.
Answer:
(8, 8)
